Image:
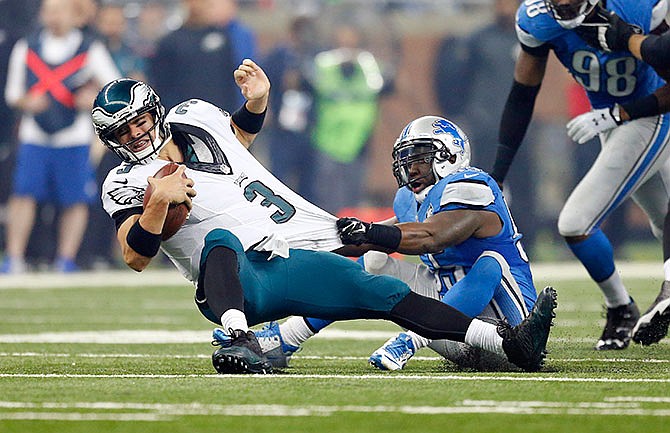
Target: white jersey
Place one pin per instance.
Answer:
(234, 192)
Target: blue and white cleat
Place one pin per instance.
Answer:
(394, 354)
(274, 348)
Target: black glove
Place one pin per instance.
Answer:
(353, 231)
(606, 31)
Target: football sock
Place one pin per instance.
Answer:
(429, 317)
(295, 331)
(418, 340)
(666, 270)
(666, 245)
(666, 239)
(485, 336)
(234, 319)
(316, 324)
(596, 254)
(221, 283)
(614, 291)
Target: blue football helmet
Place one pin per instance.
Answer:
(571, 13)
(121, 101)
(430, 139)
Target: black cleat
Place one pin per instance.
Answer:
(653, 325)
(620, 322)
(525, 344)
(242, 355)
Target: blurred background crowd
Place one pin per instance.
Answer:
(346, 75)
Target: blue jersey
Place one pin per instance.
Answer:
(468, 188)
(608, 78)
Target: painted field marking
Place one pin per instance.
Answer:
(471, 377)
(148, 336)
(160, 411)
(306, 357)
(554, 272)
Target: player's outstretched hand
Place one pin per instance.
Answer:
(606, 31)
(252, 81)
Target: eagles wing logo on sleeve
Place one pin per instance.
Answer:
(127, 195)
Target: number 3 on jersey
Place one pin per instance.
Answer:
(285, 209)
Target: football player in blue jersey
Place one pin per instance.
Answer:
(455, 218)
(604, 29)
(628, 99)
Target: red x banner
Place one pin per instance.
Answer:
(51, 80)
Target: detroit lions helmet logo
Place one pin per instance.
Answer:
(443, 126)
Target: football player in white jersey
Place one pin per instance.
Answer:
(254, 249)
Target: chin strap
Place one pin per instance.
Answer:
(421, 196)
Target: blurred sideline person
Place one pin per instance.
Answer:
(290, 67)
(455, 217)
(608, 32)
(210, 44)
(99, 249)
(15, 21)
(53, 76)
(632, 131)
(254, 248)
(347, 85)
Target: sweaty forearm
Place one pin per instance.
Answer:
(422, 238)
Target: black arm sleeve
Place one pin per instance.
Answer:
(655, 51)
(515, 119)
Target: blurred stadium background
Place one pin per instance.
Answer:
(405, 36)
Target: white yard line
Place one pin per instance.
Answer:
(129, 336)
(470, 377)
(552, 272)
(160, 411)
(147, 336)
(297, 356)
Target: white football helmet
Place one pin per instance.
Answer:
(430, 139)
(572, 13)
(121, 101)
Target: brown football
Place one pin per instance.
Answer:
(177, 213)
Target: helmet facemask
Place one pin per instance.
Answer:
(572, 14)
(429, 140)
(118, 104)
(124, 150)
(409, 153)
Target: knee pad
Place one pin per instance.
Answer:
(570, 224)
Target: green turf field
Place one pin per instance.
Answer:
(107, 354)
